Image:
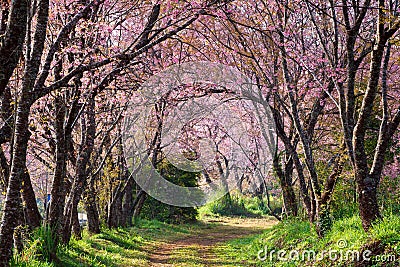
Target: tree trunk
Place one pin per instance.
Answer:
(367, 201)
(115, 212)
(139, 204)
(91, 209)
(324, 221)
(76, 227)
(92, 214)
(21, 126)
(6, 113)
(11, 206)
(4, 19)
(366, 185)
(68, 217)
(288, 195)
(82, 170)
(127, 205)
(59, 189)
(4, 171)
(289, 200)
(19, 231)
(33, 216)
(224, 176)
(368, 178)
(13, 39)
(314, 204)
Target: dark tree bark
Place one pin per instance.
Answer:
(12, 202)
(290, 146)
(76, 227)
(367, 184)
(285, 180)
(4, 18)
(59, 189)
(122, 204)
(82, 168)
(141, 197)
(324, 223)
(4, 171)
(6, 113)
(33, 216)
(13, 39)
(19, 230)
(127, 205)
(21, 126)
(115, 213)
(91, 210)
(368, 178)
(347, 98)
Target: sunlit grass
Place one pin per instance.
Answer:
(115, 247)
(239, 205)
(300, 236)
(186, 256)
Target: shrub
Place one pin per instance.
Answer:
(156, 210)
(237, 204)
(39, 247)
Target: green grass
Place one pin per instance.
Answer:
(239, 205)
(116, 247)
(186, 256)
(133, 246)
(384, 239)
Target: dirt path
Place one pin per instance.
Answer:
(200, 245)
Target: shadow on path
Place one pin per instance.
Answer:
(197, 250)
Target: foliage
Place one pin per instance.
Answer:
(237, 204)
(389, 193)
(38, 248)
(108, 182)
(344, 193)
(155, 210)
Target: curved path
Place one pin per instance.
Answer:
(197, 250)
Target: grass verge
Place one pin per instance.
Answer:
(113, 248)
(339, 247)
